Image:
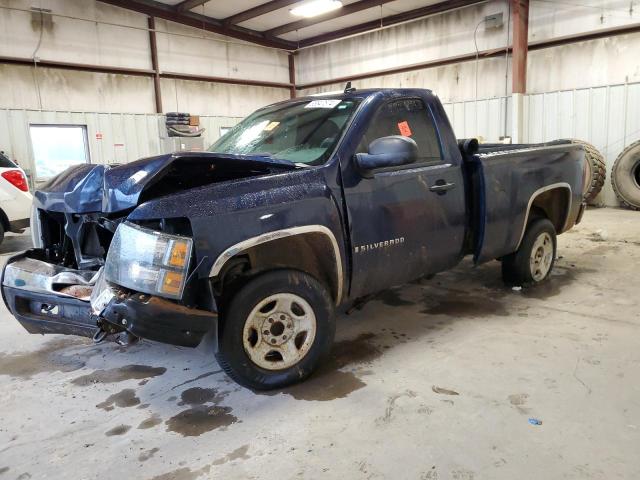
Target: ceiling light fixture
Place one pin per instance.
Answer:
(315, 8)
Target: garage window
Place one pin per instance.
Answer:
(57, 147)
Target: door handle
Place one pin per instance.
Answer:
(441, 186)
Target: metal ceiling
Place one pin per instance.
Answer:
(270, 23)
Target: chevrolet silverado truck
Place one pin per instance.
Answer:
(301, 209)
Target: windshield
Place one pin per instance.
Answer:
(301, 132)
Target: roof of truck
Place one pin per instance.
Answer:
(365, 92)
(355, 93)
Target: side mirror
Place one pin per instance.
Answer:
(391, 151)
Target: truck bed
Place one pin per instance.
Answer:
(504, 181)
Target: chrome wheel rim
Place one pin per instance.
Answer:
(279, 331)
(541, 257)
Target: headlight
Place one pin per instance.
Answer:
(148, 261)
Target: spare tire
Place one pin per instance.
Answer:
(625, 176)
(596, 171)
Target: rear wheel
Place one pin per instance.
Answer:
(533, 261)
(277, 329)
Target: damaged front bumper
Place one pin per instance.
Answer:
(47, 298)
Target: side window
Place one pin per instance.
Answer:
(408, 117)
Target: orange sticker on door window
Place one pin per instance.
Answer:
(405, 131)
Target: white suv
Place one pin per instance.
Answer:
(15, 199)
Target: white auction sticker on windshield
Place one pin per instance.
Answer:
(322, 104)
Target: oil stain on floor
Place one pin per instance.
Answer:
(392, 298)
(239, 453)
(120, 374)
(150, 422)
(184, 473)
(205, 414)
(51, 357)
(200, 396)
(557, 282)
(457, 305)
(200, 419)
(329, 382)
(125, 398)
(147, 454)
(119, 430)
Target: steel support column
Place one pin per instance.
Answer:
(292, 75)
(520, 20)
(520, 17)
(154, 63)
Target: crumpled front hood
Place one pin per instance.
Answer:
(89, 188)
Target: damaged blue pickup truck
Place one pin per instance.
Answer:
(301, 209)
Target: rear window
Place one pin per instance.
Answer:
(5, 162)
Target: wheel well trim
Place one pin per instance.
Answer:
(538, 192)
(239, 247)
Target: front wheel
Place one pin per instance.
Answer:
(533, 261)
(276, 330)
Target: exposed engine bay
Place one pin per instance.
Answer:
(100, 273)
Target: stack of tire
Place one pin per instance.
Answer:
(178, 124)
(596, 171)
(625, 176)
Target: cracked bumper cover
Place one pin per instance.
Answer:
(41, 311)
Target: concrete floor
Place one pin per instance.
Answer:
(434, 380)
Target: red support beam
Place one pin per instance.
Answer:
(84, 67)
(227, 80)
(520, 18)
(156, 9)
(154, 63)
(292, 75)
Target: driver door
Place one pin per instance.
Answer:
(401, 227)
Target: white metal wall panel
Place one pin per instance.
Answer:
(482, 118)
(124, 137)
(632, 127)
(608, 117)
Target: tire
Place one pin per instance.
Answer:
(1, 233)
(625, 176)
(517, 268)
(597, 171)
(279, 327)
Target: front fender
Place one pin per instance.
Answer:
(224, 216)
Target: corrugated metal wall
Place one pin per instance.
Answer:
(608, 117)
(125, 137)
(488, 118)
